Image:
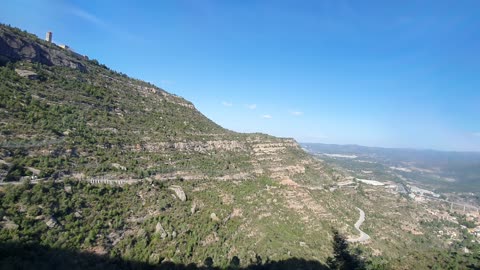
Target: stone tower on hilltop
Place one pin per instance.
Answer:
(48, 37)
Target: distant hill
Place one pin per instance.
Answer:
(462, 167)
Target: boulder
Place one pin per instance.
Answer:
(214, 217)
(160, 230)
(194, 208)
(27, 74)
(52, 222)
(179, 192)
(68, 189)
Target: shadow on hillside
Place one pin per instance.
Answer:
(34, 256)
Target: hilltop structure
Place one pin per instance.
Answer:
(65, 47)
(48, 36)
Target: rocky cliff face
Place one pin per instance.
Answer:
(16, 46)
(96, 117)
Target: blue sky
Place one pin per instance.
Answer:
(377, 73)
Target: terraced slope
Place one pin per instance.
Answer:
(63, 115)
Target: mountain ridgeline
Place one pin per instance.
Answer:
(65, 115)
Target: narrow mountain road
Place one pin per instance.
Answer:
(363, 236)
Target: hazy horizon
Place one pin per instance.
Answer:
(392, 148)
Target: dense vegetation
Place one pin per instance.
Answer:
(122, 222)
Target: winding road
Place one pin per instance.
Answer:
(363, 236)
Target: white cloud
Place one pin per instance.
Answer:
(87, 16)
(296, 113)
(252, 106)
(267, 116)
(227, 104)
(98, 22)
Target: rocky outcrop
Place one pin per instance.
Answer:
(258, 148)
(268, 155)
(119, 167)
(68, 189)
(193, 209)
(52, 222)
(269, 148)
(185, 175)
(280, 172)
(214, 217)
(16, 45)
(8, 225)
(27, 74)
(160, 230)
(196, 146)
(177, 100)
(179, 192)
(146, 90)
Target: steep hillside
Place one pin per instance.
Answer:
(95, 162)
(64, 115)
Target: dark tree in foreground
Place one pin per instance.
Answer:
(342, 258)
(208, 262)
(234, 263)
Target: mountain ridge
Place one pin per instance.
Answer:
(130, 117)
